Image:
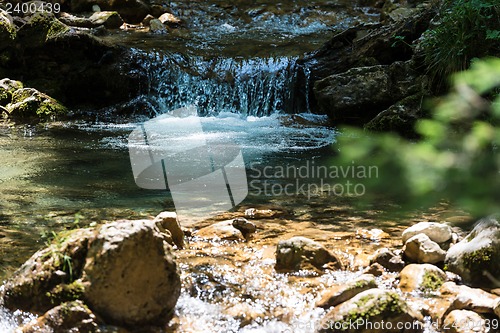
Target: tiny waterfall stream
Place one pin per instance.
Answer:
(236, 65)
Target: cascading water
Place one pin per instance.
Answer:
(249, 87)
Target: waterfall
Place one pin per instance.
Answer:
(251, 87)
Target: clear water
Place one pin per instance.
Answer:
(234, 62)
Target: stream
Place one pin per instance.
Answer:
(235, 65)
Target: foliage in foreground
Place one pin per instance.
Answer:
(457, 159)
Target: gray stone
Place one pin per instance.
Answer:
(421, 249)
(130, 276)
(371, 307)
(109, 19)
(7, 88)
(30, 104)
(156, 26)
(423, 278)
(298, 253)
(437, 232)
(477, 257)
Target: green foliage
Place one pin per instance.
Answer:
(467, 29)
(456, 160)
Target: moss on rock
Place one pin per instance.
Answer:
(29, 104)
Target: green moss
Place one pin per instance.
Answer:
(480, 261)
(56, 29)
(66, 292)
(431, 282)
(385, 307)
(31, 104)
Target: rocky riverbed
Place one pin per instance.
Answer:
(261, 270)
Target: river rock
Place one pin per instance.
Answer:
(40, 28)
(339, 294)
(371, 307)
(109, 19)
(223, 230)
(50, 276)
(156, 26)
(349, 94)
(170, 20)
(467, 298)
(424, 278)
(167, 222)
(246, 227)
(477, 257)
(68, 317)
(437, 232)
(421, 249)
(374, 269)
(497, 308)
(463, 321)
(7, 88)
(298, 253)
(130, 276)
(30, 104)
(387, 259)
(132, 11)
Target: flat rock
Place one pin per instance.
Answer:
(467, 298)
(341, 293)
(223, 230)
(464, 321)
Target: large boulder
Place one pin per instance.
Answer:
(30, 104)
(372, 308)
(130, 276)
(465, 321)
(300, 253)
(354, 93)
(466, 298)
(477, 257)
(123, 271)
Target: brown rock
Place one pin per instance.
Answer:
(167, 221)
(425, 278)
(221, 231)
(339, 294)
(130, 275)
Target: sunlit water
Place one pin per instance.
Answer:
(237, 65)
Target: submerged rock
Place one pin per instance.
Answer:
(421, 249)
(223, 230)
(424, 278)
(73, 317)
(369, 309)
(477, 257)
(300, 253)
(130, 276)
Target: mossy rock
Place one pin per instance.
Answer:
(7, 88)
(40, 28)
(50, 276)
(371, 308)
(477, 258)
(7, 29)
(29, 104)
